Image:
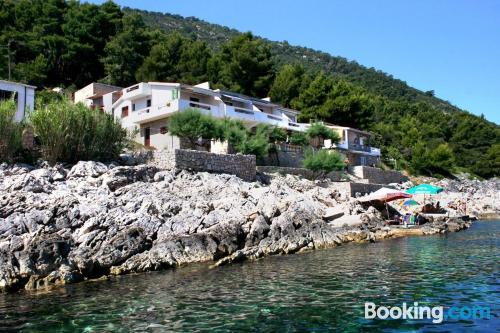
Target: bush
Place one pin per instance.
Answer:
(10, 131)
(192, 125)
(277, 134)
(318, 130)
(71, 132)
(233, 131)
(299, 139)
(323, 160)
(255, 144)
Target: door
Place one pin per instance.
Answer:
(363, 160)
(147, 137)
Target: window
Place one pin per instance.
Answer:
(163, 130)
(124, 111)
(195, 100)
(133, 106)
(148, 103)
(175, 94)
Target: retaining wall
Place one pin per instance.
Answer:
(302, 172)
(239, 165)
(378, 176)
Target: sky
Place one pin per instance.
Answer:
(449, 46)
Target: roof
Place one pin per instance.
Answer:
(18, 83)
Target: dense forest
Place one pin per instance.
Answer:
(66, 43)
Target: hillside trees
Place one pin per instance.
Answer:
(125, 53)
(176, 59)
(243, 65)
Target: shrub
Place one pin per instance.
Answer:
(233, 131)
(71, 132)
(10, 131)
(277, 134)
(299, 139)
(318, 130)
(323, 160)
(192, 125)
(254, 144)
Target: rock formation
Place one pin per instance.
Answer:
(62, 225)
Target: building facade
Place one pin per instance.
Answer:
(145, 108)
(98, 95)
(23, 94)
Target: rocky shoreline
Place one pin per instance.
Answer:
(63, 225)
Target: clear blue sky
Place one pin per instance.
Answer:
(450, 46)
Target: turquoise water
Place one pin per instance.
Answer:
(320, 291)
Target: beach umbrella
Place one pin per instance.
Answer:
(410, 202)
(384, 195)
(424, 189)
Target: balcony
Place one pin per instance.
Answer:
(137, 91)
(358, 148)
(246, 115)
(154, 112)
(208, 109)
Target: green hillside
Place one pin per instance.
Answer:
(371, 79)
(70, 44)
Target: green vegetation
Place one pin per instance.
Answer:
(193, 125)
(318, 130)
(70, 133)
(59, 43)
(323, 160)
(299, 139)
(10, 131)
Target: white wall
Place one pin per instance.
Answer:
(25, 97)
(84, 93)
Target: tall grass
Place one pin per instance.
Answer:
(71, 132)
(10, 131)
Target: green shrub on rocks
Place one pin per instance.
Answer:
(323, 160)
(70, 132)
(10, 131)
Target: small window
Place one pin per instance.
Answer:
(148, 103)
(124, 111)
(133, 106)
(175, 94)
(163, 130)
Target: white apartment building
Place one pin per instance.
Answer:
(23, 94)
(145, 108)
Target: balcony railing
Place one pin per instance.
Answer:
(358, 147)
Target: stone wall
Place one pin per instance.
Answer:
(378, 176)
(302, 172)
(350, 189)
(285, 155)
(242, 166)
